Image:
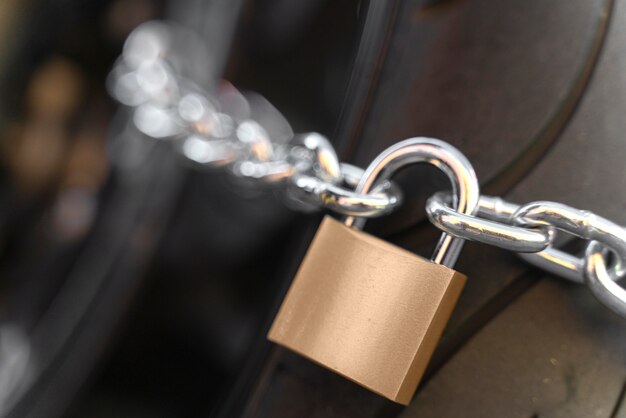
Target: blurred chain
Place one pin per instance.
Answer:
(248, 137)
(221, 130)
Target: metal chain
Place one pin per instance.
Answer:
(219, 130)
(532, 229)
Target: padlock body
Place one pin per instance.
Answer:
(367, 309)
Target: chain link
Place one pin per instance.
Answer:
(218, 130)
(532, 229)
(481, 229)
(221, 130)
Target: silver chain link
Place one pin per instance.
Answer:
(532, 229)
(220, 129)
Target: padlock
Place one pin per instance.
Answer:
(367, 309)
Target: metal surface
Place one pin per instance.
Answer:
(366, 309)
(495, 229)
(312, 191)
(601, 282)
(551, 259)
(589, 226)
(489, 232)
(442, 155)
(168, 106)
(325, 161)
(219, 129)
(337, 311)
(321, 192)
(517, 345)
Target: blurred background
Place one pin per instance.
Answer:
(120, 266)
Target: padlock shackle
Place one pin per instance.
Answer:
(442, 155)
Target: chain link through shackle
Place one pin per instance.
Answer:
(465, 188)
(521, 228)
(218, 130)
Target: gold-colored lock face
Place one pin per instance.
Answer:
(366, 309)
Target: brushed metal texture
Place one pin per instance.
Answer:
(366, 309)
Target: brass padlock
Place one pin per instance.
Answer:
(367, 309)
